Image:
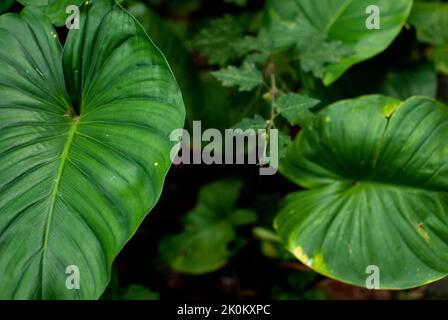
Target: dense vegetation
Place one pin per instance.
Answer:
(356, 88)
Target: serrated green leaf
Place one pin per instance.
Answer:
(316, 53)
(342, 24)
(209, 229)
(257, 58)
(378, 192)
(246, 78)
(262, 43)
(256, 123)
(214, 41)
(84, 146)
(296, 108)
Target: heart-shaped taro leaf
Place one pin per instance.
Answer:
(84, 147)
(378, 173)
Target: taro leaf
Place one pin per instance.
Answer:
(378, 178)
(204, 245)
(294, 22)
(84, 146)
(177, 55)
(246, 78)
(54, 9)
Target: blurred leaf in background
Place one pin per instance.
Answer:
(5, 5)
(209, 229)
(431, 21)
(214, 42)
(418, 80)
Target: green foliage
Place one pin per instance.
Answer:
(431, 22)
(296, 108)
(209, 229)
(138, 292)
(214, 42)
(5, 5)
(316, 51)
(131, 292)
(377, 176)
(261, 44)
(256, 123)
(439, 55)
(333, 37)
(54, 9)
(178, 57)
(73, 126)
(240, 3)
(84, 147)
(246, 78)
(419, 80)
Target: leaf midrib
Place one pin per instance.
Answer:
(63, 158)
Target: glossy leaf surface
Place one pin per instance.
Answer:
(84, 146)
(378, 178)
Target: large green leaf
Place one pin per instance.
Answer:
(84, 146)
(177, 55)
(56, 10)
(378, 176)
(339, 24)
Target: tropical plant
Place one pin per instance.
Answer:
(85, 146)
(357, 90)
